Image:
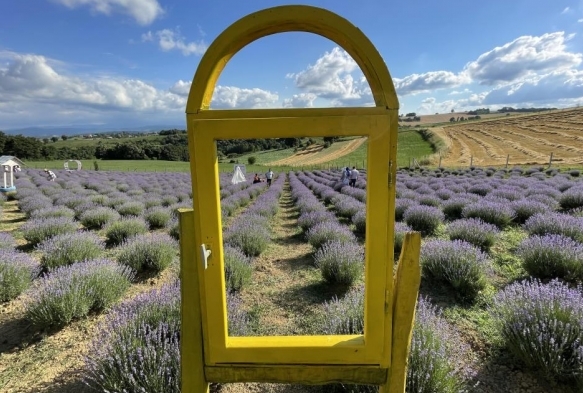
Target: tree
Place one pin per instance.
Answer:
(452, 119)
(251, 160)
(64, 137)
(411, 114)
(55, 138)
(46, 140)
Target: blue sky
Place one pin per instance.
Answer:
(130, 62)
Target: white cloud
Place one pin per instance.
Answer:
(554, 86)
(230, 97)
(225, 97)
(429, 81)
(143, 11)
(566, 10)
(30, 84)
(330, 78)
(523, 57)
(457, 92)
(302, 100)
(172, 40)
(580, 20)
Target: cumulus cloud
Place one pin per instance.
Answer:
(143, 11)
(231, 97)
(556, 85)
(429, 81)
(228, 97)
(302, 100)
(330, 78)
(525, 56)
(30, 84)
(172, 40)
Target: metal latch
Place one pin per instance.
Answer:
(205, 255)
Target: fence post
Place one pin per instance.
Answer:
(551, 160)
(471, 161)
(507, 158)
(439, 161)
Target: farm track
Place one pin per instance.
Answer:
(287, 286)
(526, 139)
(315, 156)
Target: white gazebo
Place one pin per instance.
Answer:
(9, 165)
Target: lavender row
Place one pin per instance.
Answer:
(339, 256)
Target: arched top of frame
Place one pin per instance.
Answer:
(289, 18)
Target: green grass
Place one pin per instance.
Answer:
(410, 144)
(78, 141)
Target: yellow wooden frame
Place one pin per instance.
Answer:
(368, 358)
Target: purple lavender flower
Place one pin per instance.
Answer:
(38, 230)
(552, 256)
(457, 263)
(327, 231)
(340, 262)
(542, 325)
(66, 249)
(425, 219)
(473, 231)
(17, 270)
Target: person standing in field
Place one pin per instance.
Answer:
(51, 175)
(345, 176)
(269, 177)
(353, 176)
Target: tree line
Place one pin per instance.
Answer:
(172, 146)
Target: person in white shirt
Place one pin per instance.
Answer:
(51, 174)
(269, 177)
(353, 177)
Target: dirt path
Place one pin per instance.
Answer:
(317, 156)
(287, 288)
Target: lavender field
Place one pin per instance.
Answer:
(89, 276)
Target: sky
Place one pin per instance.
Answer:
(129, 63)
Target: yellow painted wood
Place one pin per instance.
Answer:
(303, 374)
(286, 19)
(368, 358)
(191, 348)
(406, 286)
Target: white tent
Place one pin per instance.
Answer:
(238, 176)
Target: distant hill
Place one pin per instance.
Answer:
(48, 131)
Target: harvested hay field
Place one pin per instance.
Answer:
(527, 140)
(316, 154)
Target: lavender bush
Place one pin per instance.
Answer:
(552, 256)
(572, 198)
(17, 270)
(153, 252)
(429, 369)
(7, 241)
(157, 217)
(499, 214)
(53, 211)
(67, 249)
(425, 219)
(457, 263)
(400, 230)
(137, 348)
(99, 217)
(249, 235)
(359, 221)
(309, 219)
(39, 229)
(131, 208)
(119, 231)
(542, 325)
(238, 268)
(473, 231)
(71, 292)
(328, 231)
(340, 262)
(526, 208)
(555, 223)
